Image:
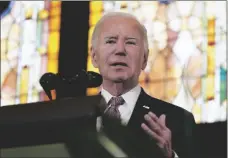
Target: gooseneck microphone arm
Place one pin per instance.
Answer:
(48, 83)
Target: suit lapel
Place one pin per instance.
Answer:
(141, 108)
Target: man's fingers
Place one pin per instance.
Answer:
(152, 124)
(153, 116)
(162, 121)
(151, 133)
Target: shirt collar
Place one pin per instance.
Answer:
(130, 97)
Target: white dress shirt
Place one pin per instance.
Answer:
(127, 108)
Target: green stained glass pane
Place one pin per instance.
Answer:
(223, 85)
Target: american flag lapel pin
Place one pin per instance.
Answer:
(146, 107)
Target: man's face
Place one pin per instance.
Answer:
(119, 53)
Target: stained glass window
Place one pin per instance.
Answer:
(29, 48)
(187, 58)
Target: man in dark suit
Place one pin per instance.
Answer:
(120, 51)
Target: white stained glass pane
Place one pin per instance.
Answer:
(14, 33)
(6, 23)
(198, 9)
(108, 5)
(159, 30)
(133, 4)
(147, 2)
(26, 56)
(184, 46)
(35, 69)
(210, 9)
(4, 43)
(12, 45)
(220, 17)
(220, 53)
(223, 110)
(194, 23)
(172, 12)
(198, 36)
(175, 25)
(149, 11)
(184, 99)
(29, 31)
(184, 7)
(149, 27)
(29, 4)
(7, 102)
(17, 9)
(195, 64)
(211, 112)
(12, 56)
(118, 5)
(162, 43)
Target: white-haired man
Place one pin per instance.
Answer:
(120, 51)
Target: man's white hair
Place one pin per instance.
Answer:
(120, 14)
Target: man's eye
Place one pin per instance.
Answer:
(110, 41)
(131, 42)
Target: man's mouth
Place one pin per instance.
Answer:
(118, 64)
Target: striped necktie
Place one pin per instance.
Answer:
(112, 110)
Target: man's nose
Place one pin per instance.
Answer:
(120, 49)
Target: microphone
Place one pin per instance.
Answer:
(68, 85)
(48, 83)
(82, 78)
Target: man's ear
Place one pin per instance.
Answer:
(145, 59)
(93, 57)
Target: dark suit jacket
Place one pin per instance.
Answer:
(137, 143)
(178, 120)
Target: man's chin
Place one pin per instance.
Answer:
(119, 79)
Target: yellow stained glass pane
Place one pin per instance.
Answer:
(55, 4)
(52, 66)
(210, 60)
(196, 110)
(94, 18)
(43, 14)
(92, 91)
(157, 70)
(24, 85)
(29, 13)
(53, 43)
(54, 23)
(55, 12)
(96, 6)
(157, 89)
(172, 88)
(211, 31)
(91, 32)
(210, 87)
